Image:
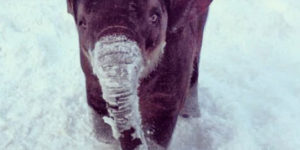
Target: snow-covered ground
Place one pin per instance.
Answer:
(249, 80)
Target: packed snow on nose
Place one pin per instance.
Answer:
(117, 62)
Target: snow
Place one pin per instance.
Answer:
(249, 79)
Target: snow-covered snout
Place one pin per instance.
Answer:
(117, 62)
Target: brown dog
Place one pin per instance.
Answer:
(140, 59)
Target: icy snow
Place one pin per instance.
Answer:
(249, 79)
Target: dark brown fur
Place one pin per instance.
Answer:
(163, 92)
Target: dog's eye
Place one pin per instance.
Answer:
(155, 15)
(154, 18)
(82, 23)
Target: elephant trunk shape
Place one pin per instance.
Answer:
(117, 62)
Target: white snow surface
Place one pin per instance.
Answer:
(249, 79)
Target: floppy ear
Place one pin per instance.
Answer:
(70, 5)
(182, 11)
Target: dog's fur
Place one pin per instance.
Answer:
(165, 86)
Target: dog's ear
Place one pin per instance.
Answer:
(181, 11)
(70, 5)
